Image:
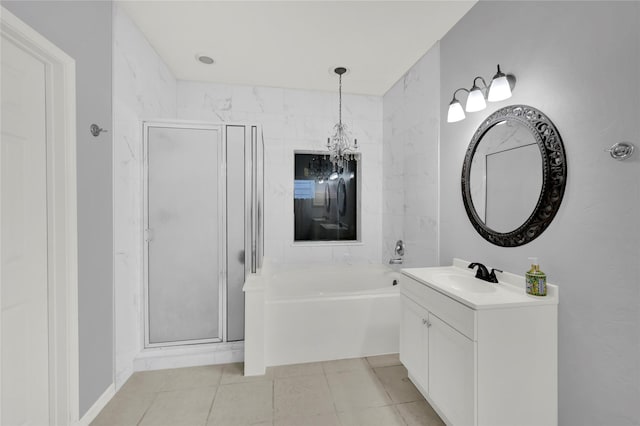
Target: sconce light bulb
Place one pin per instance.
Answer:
(456, 113)
(499, 89)
(475, 100)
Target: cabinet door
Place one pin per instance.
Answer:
(451, 372)
(414, 341)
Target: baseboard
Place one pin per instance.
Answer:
(189, 356)
(95, 409)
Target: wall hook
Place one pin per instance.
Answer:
(621, 150)
(96, 130)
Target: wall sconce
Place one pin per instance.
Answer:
(475, 100)
(456, 113)
(498, 90)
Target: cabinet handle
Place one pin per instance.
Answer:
(428, 324)
(424, 321)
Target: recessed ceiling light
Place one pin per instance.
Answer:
(207, 60)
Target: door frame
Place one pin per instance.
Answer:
(62, 250)
(222, 228)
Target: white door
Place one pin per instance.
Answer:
(23, 241)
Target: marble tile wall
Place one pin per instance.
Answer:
(143, 88)
(410, 163)
(298, 120)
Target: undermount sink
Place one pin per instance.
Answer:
(465, 283)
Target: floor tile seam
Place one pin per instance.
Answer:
(361, 409)
(221, 374)
(155, 395)
(347, 370)
(211, 406)
(185, 389)
(273, 400)
(384, 386)
(405, 421)
(297, 376)
(399, 415)
(333, 399)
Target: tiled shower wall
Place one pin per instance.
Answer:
(410, 163)
(145, 89)
(299, 120)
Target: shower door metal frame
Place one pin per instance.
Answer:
(254, 197)
(222, 229)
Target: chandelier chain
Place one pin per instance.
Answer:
(340, 99)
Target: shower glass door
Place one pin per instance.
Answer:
(185, 234)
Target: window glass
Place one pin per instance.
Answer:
(325, 199)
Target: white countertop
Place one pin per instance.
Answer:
(508, 292)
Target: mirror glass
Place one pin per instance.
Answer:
(506, 176)
(513, 176)
(325, 200)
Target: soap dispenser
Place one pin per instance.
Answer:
(536, 279)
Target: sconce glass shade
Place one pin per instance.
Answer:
(456, 113)
(475, 100)
(499, 88)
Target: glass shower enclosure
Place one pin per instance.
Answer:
(203, 197)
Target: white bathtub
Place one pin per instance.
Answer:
(318, 313)
(301, 282)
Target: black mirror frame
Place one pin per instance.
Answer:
(554, 175)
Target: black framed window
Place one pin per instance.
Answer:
(325, 199)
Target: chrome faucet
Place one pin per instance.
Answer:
(399, 251)
(484, 274)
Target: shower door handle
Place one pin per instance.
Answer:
(241, 256)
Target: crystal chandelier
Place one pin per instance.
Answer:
(339, 145)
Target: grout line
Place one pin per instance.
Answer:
(211, 406)
(273, 400)
(333, 400)
(155, 395)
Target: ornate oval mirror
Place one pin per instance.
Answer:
(514, 175)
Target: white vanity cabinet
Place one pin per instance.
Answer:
(480, 358)
(414, 341)
(451, 382)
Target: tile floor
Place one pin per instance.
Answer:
(363, 391)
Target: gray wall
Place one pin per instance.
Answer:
(83, 30)
(578, 62)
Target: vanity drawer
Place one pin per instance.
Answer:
(454, 313)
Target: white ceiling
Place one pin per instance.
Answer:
(295, 44)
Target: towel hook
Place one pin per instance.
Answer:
(96, 130)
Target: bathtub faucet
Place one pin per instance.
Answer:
(399, 251)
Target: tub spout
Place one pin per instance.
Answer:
(395, 261)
